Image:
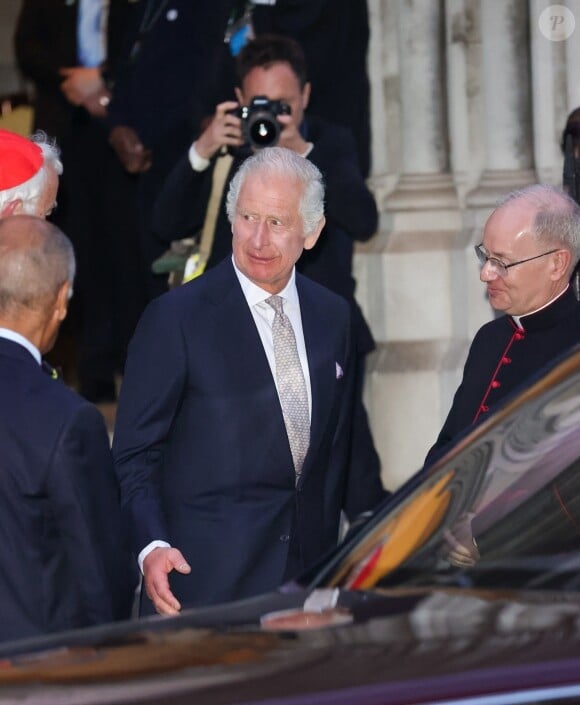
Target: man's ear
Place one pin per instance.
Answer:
(562, 262)
(310, 240)
(12, 208)
(239, 95)
(62, 299)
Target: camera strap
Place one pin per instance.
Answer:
(197, 261)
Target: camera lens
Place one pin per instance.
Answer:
(263, 130)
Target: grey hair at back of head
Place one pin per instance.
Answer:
(32, 274)
(30, 191)
(283, 162)
(557, 218)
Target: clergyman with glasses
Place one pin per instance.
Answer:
(530, 246)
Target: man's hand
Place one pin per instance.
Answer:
(156, 567)
(80, 82)
(290, 137)
(223, 129)
(131, 151)
(96, 104)
(460, 549)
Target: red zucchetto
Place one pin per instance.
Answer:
(20, 159)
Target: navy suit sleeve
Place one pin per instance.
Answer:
(151, 393)
(349, 204)
(85, 501)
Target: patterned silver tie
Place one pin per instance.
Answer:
(291, 384)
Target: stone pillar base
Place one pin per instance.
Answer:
(495, 184)
(409, 387)
(418, 192)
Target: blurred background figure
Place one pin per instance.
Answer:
(334, 35)
(159, 98)
(69, 51)
(63, 563)
(29, 171)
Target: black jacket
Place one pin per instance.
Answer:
(45, 41)
(502, 357)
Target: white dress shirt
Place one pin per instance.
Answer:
(263, 315)
(21, 340)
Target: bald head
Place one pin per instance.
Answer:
(36, 259)
(555, 217)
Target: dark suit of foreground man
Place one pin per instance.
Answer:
(61, 562)
(201, 446)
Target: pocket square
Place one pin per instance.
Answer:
(339, 371)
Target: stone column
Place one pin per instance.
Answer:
(425, 179)
(405, 276)
(548, 63)
(507, 107)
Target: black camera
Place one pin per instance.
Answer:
(259, 125)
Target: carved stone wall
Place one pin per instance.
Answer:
(469, 98)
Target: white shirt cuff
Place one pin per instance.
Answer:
(147, 550)
(197, 163)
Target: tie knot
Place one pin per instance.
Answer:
(276, 302)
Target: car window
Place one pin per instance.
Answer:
(508, 496)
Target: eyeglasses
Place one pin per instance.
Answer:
(501, 268)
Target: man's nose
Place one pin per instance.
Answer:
(260, 236)
(487, 273)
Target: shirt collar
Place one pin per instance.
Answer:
(517, 319)
(21, 340)
(255, 294)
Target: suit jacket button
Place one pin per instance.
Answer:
(284, 538)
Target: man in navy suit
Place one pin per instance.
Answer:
(208, 480)
(62, 564)
(275, 67)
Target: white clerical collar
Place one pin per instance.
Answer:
(21, 340)
(517, 319)
(255, 294)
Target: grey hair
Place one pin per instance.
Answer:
(31, 191)
(557, 218)
(36, 259)
(284, 162)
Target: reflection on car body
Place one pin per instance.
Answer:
(387, 617)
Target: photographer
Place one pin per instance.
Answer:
(274, 67)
